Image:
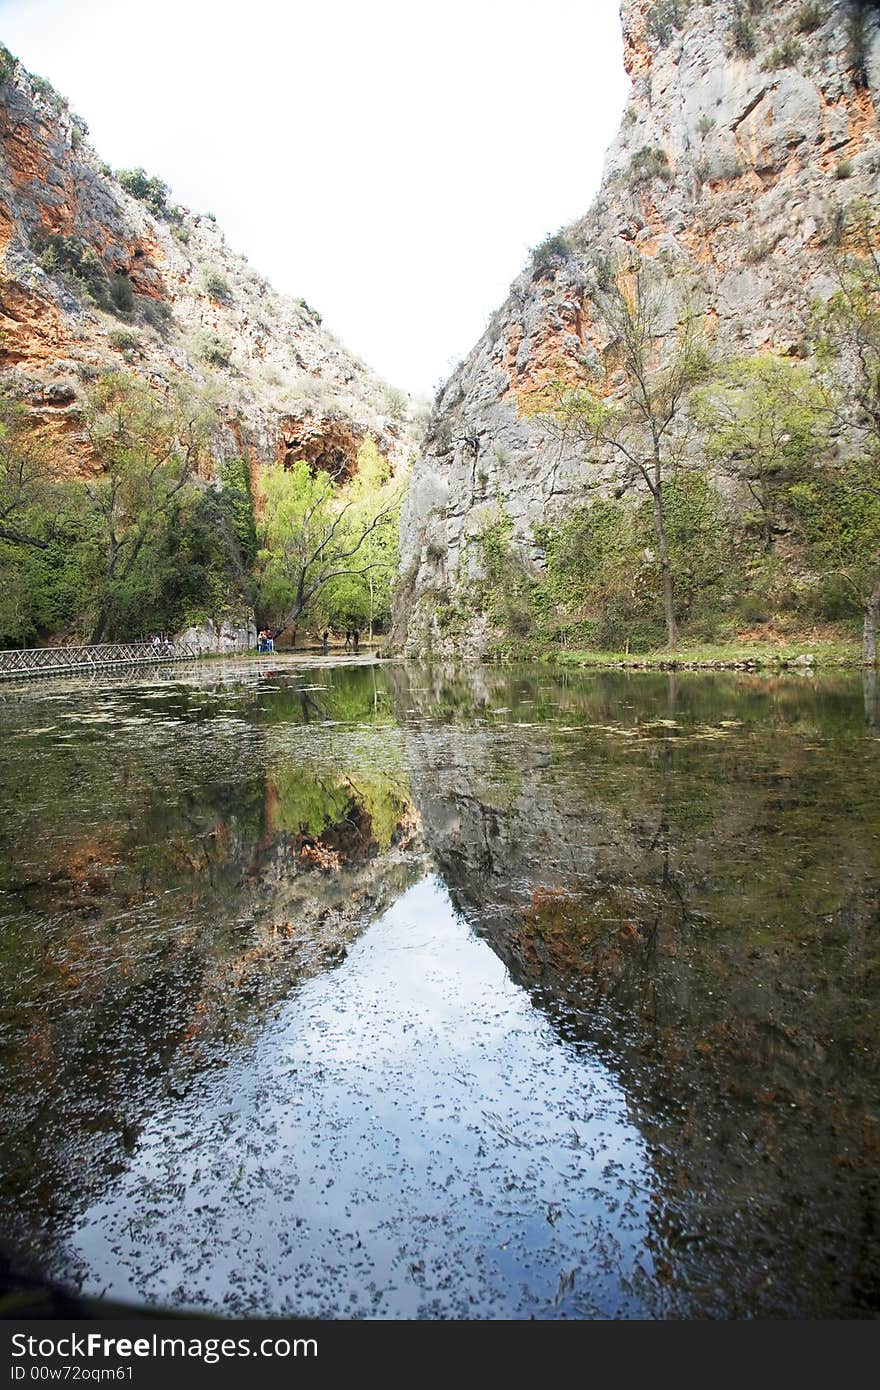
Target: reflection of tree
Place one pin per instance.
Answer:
(872, 708)
(135, 953)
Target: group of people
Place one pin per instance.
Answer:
(352, 639)
(265, 640)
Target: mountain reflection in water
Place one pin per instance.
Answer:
(258, 1054)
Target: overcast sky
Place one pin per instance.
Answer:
(390, 160)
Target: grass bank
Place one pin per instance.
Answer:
(740, 654)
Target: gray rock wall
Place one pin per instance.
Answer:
(755, 152)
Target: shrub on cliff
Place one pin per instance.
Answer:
(214, 282)
(742, 31)
(150, 190)
(121, 340)
(121, 293)
(69, 260)
(7, 65)
(154, 312)
(214, 350)
(646, 164)
(550, 251)
(809, 17)
(664, 17)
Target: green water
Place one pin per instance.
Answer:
(358, 990)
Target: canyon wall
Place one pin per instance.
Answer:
(749, 130)
(93, 279)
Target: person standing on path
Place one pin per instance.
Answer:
(357, 637)
(325, 637)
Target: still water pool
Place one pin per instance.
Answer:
(356, 990)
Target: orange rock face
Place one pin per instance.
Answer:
(93, 280)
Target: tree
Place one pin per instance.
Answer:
(313, 536)
(766, 420)
(849, 348)
(29, 499)
(366, 598)
(149, 450)
(840, 510)
(657, 366)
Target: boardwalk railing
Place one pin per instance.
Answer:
(65, 661)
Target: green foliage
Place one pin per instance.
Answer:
(766, 422)
(395, 402)
(144, 545)
(306, 804)
(664, 17)
(144, 503)
(70, 260)
(42, 591)
(647, 164)
(7, 65)
(840, 514)
(501, 586)
(810, 16)
(236, 496)
(151, 191)
(844, 169)
(121, 293)
(122, 340)
(328, 552)
(77, 266)
(43, 88)
(153, 312)
(742, 31)
(639, 426)
(784, 55)
(213, 349)
(551, 251)
(215, 283)
(180, 232)
(309, 311)
(366, 598)
(602, 567)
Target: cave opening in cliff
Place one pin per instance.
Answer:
(328, 446)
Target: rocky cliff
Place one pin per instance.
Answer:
(749, 128)
(96, 276)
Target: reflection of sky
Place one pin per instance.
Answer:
(409, 1137)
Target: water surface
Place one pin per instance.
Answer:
(356, 990)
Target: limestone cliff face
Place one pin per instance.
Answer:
(188, 304)
(748, 128)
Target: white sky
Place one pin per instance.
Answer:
(390, 160)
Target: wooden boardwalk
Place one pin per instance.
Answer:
(104, 656)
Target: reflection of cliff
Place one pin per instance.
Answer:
(138, 955)
(694, 896)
